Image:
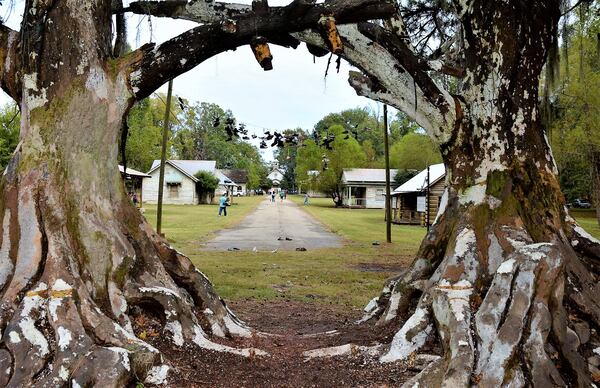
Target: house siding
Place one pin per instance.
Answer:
(375, 197)
(186, 192)
(435, 197)
(243, 191)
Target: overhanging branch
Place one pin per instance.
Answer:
(186, 51)
(385, 79)
(414, 65)
(198, 11)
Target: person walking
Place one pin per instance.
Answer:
(306, 197)
(281, 195)
(272, 195)
(223, 203)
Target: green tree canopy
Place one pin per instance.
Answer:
(144, 140)
(201, 135)
(287, 158)
(414, 151)
(344, 153)
(575, 109)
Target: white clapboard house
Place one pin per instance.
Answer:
(180, 182)
(365, 187)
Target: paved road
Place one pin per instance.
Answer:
(270, 227)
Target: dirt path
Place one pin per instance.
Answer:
(280, 225)
(291, 324)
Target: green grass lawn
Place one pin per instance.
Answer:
(587, 219)
(348, 276)
(187, 225)
(362, 226)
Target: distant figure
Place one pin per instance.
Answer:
(223, 203)
(281, 195)
(272, 195)
(134, 198)
(306, 197)
(285, 194)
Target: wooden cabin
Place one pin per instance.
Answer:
(409, 201)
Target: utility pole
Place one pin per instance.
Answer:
(163, 157)
(428, 193)
(388, 198)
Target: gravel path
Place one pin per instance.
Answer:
(280, 225)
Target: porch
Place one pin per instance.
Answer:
(355, 197)
(405, 210)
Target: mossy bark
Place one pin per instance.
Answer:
(505, 280)
(75, 255)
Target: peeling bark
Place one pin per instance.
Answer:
(77, 259)
(505, 282)
(509, 283)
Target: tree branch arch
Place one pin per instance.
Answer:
(491, 279)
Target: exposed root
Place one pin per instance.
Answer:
(66, 299)
(398, 292)
(582, 241)
(344, 350)
(512, 335)
(412, 336)
(223, 321)
(526, 277)
(415, 361)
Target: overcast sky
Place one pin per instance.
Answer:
(293, 94)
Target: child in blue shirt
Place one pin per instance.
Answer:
(223, 202)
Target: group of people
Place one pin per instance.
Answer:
(282, 195)
(224, 200)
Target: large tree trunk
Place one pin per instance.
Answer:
(595, 161)
(75, 254)
(497, 281)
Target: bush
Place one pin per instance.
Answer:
(206, 186)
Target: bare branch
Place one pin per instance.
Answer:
(121, 32)
(197, 11)
(159, 64)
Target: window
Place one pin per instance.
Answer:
(239, 188)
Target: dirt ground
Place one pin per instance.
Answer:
(292, 326)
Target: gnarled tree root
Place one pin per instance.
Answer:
(66, 298)
(524, 319)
